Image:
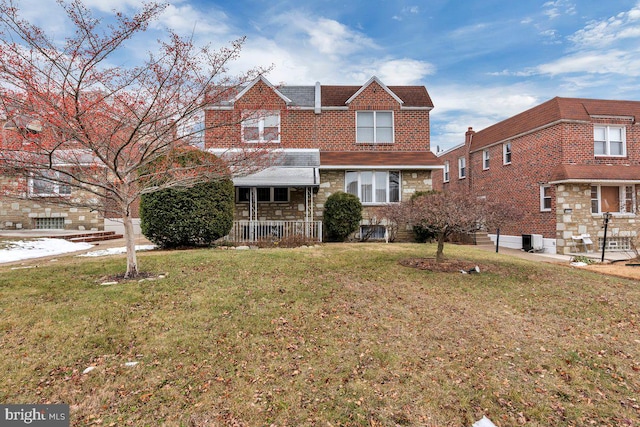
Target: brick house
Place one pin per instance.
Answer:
(42, 203)
(565, 163)
(370, 140)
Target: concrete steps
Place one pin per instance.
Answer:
(483, 239)
(96, 236)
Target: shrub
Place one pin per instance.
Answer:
(195, 216)
(422, 234)
(342, 215)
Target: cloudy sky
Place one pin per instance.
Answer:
(481, 60)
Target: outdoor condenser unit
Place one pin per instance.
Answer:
(532, 242)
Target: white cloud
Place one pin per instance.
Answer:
(596, 62)
(556, 8)
(603, 33)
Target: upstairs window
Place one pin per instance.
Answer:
(614, 199)
(462, 168)
(609, 141)
(50, 184)
(506, 153)
(446, 171)
(374, 127)
(485, 159)
(374, 186)
(262, 127)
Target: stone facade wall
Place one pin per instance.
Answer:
(575, 200)
(23, 214)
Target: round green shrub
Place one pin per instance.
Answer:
(195, 216)
(342, 215)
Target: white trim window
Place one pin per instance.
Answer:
(613, 198)
(445, 172)
(261, 126)
(609, 141)
(373, 186)
(545, 198)
(506, 153)
(462, 167)
(485, 159)
(50, 184)
(374, 127)
(264, 194)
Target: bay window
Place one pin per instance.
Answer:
(374, 186)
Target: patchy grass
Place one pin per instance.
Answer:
(337, 335)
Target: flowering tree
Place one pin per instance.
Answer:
(74, 121)
(454, 212)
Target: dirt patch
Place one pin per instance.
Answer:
(446, 266)
(616, 269)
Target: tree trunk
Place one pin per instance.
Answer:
(130, 239)
(440, 251)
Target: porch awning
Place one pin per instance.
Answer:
(281, 177)
(595, 174)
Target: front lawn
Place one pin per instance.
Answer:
(327, 336)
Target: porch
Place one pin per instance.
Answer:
(275, 231)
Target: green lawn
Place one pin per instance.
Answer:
(328, 336)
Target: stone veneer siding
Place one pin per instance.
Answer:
(577, 197)
(22, 214)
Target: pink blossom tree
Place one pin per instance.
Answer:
(72, 119)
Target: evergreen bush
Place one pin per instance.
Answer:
(342, 215)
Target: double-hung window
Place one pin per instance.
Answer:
(446, 172)
(545, 198)
(506, 153)
(614, 199)
(374, 127)
(485, 159)
(462, 167)
(609, 141)
(373, 187)
(261, 126)
(50, 184)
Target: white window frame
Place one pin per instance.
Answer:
(507, 149)
(485, 159)
(58, 189)
(359, 183)
(446, 171)
(375, 114)
(271, 194)
(462, 167)
(544, 197)
(260, 118)
(622, 195)
(607, 141)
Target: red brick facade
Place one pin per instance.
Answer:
(546, 142)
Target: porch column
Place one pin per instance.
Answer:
(308, 208)
(253, 212)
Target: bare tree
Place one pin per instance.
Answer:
(75, 121)
(453, 212)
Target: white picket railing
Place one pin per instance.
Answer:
(255, 231)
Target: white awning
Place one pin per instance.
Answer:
(281, 177)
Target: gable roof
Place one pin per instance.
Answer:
(552, 111)
(330, 95)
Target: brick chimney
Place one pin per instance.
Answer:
(468, 136)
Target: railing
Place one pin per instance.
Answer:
(255, 231)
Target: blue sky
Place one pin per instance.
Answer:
(481, 60)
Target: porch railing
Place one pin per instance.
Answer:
(255, 231)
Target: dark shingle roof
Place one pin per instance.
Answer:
(412, 96)
(595, 172)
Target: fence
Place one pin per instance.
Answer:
(254, 231)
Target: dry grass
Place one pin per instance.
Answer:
(337, 335)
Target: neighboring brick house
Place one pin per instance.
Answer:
(370, 140)
(38, 203)
(564, 163)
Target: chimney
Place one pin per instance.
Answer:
(468, 136)
(317, 107)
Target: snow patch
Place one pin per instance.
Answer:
(28, 249)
